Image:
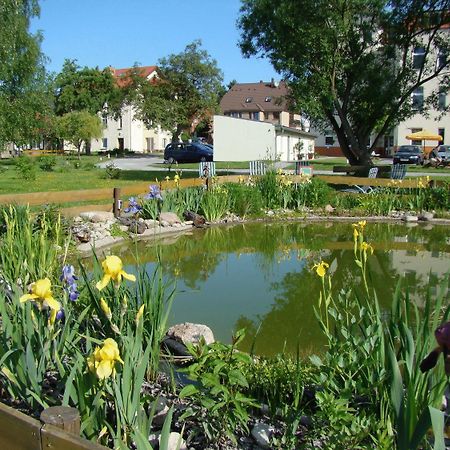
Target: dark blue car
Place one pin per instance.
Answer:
(180, 152)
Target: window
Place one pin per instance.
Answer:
(248, 99)
(120, 122)
(418, 57)
(329, 138)
(417, 99)
(441, 132)
(416, 142)
(104, 121)
(254, 115)
(236, 114)
(268, 99)
(105, 143)
(276, 116)
(150, 144)
(442, 99)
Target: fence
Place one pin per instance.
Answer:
(21, 432)
(107, 194)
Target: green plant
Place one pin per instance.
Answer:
(26, 168)
(245, 199)
(270, 189)
(215, 203)
(112, 172)
(218, 373)
(47, 163)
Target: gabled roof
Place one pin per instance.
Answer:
(262, 96)
(121, 75)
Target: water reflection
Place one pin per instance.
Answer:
(259, 275)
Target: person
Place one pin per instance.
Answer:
(434, 157)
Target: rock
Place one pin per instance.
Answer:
(161, 411)
(137, 227)
(127, 221)
(270, 213)
(150, 223)
(82, 233)
(169, 217)
(196, 219)
(164, 224)
(262, 432)
(188, 222)
(177, 225)
(97, 216)
(175, 442)
(426, 215)
(190, 332)
(329, 209)
(410, 218)
(123, 228)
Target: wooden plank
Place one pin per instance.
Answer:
(57, 439)
(18, 431)
(351, 181)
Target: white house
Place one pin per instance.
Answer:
(127, 132)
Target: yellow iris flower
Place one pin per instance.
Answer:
(113, 270)
(321, 268)
(103, 361)
(41, 294)
(105, 308)
(365, 247)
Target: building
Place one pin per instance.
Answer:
(433, 121)
(267, 102)
(127, 132)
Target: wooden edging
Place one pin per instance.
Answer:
(106, 194)
(21, 432)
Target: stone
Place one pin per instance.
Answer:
(161, 410)
(190, 332)
(150, 223)
(177, 225)
(165, 224)
(189, 222)
(261, 433)
(270, 213)
(137, 227)
(426, 215)
(125, 221)
(175, 442)
(410, 218)
(123, 228)
(329, 209)
(169, 217)
(97, 216)
(196, 219)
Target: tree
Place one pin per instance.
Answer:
(24, 100)
(186, 92)
(84, 89)
(78, 127)
(350, 63)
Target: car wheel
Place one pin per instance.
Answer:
(171, 160)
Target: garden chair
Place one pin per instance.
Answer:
(356, 189)
(257, 168)
(207, 169)
(398, 171)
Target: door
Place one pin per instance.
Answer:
(121, 144)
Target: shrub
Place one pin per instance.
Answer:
(112, 172)
(244, 199)
(47, 163)
(26, 167)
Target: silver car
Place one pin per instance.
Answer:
(444, 152)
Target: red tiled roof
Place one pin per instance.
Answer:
(262, 96)
(121, 74)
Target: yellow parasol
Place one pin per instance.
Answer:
(424, 135)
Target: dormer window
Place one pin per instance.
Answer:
(248, 99)
(268, 99)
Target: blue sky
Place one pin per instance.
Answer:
(121, 33)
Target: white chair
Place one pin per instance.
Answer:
(207, 169)
(257, 168)
(373, 172)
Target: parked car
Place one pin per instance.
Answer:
(180, 152)
(444, 152)
(408, 154)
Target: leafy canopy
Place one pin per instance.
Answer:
(350, 63)
(186, 92)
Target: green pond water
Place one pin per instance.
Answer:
(259, 275)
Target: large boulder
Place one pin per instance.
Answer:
(169, 217)
(97, 216)
(190, 332)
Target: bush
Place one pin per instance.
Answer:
(244, 199)
(112, 172)
(47, 163)
(26, 167)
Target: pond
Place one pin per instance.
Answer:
(259, 275)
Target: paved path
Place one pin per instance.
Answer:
(156, 163)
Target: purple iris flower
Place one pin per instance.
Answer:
(133, 206)
(60, 314)
(69, 281)
(154, 193)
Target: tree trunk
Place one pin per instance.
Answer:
(176, 133)
(88, 147)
